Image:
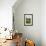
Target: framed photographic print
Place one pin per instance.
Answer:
(28, 19)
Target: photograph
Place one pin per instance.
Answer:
(28, 19)
(22, 22)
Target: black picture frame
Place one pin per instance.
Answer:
(28, 19)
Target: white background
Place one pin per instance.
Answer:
(6, 13)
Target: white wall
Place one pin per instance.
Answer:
(43, 22)
(6, 13)
(29, 7)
